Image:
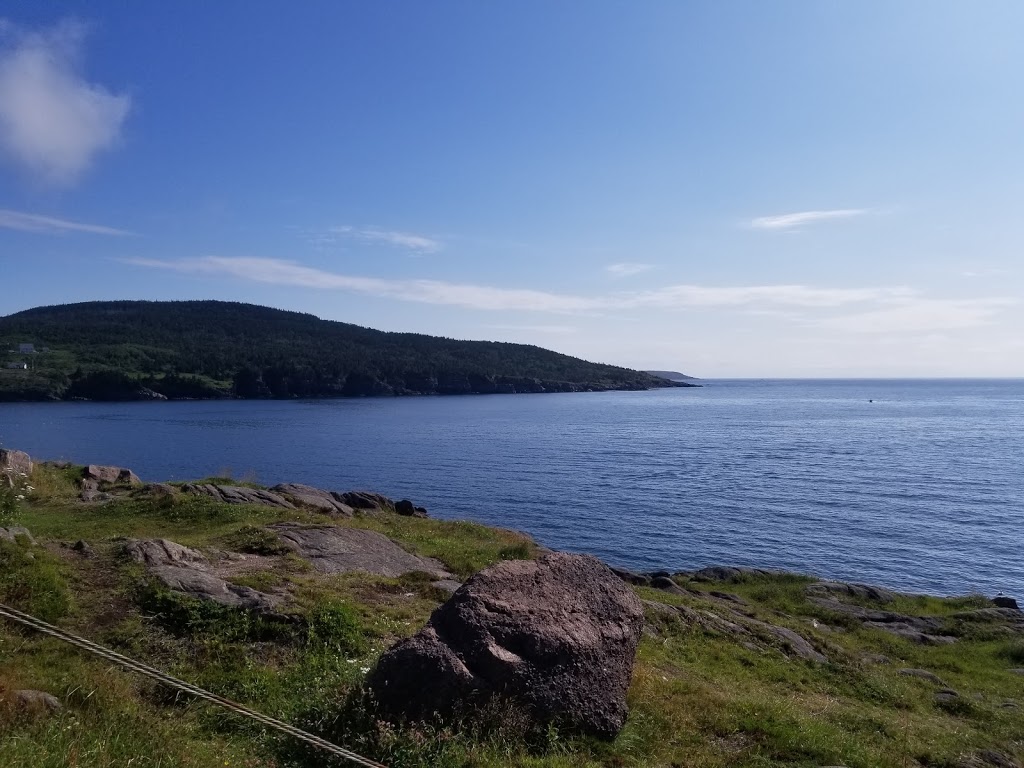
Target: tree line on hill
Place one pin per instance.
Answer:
(126, 350)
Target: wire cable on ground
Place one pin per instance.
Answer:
(38, 625)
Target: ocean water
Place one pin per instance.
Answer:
(915, 485)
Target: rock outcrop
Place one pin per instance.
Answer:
(11, 533)
(187, 571)
(557, 635)
(104, 476)
(332, 549)
(237, 494)
(925, 630)
(315, 498)
(37, 702)
(17, 461)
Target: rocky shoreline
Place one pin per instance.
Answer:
(565, 638)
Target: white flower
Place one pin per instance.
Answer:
(19, 497)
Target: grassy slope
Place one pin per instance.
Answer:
(697, 699)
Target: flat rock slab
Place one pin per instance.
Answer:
(187, 572)
(332, 549)
(317, 498)
(236, 494)
(727, 573)
(858, 591)
(925, 630)
(923, 674)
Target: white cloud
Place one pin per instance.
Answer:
(552, 329)
(281, 272)
(407, 240)
(52, 121)
(470, 296)
(797, 220)
(627, 269)
(921, 315)
(779, 295)
(31, 222)
(879, 310)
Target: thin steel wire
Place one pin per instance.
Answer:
(155, 674)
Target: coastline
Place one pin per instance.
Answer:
(310, 587)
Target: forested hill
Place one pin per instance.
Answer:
(194, 349)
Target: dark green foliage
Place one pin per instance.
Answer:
(1012, 651)
(335, 626)
(31, 580)
(256, 541)
(117, 350)
(191, 617)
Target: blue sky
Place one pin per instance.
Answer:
(728, 189)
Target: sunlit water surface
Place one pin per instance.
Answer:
(916, 485)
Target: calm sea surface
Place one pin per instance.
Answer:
(916, 485)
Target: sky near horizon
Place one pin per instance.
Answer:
(785, 189)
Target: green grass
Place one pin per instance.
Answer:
(697, 699)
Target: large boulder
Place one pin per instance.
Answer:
(557, 635)
(109, 476)
(18, 461)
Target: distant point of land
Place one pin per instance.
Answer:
(671, 375)
(184, 350)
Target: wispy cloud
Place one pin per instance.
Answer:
(283, 272)
(879, 310)
(407, 240)
(31, 222)
(280, 272)
(627, 269)
(921, 315)
(550, 329)
(798, 220)
(52, 121)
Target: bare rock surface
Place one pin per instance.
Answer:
(316, 498)
(236, 494)
(558, 635)
(367, 500)
(724, 620)
(842, 589)
(18, 461)
(110, 475)
(923, 674)
(727, 573)
(332, 549)
(988, 758)
(188, 572)
(37, 702)
(12, 532)
(926, 630)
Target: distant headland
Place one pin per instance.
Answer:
(190, 350)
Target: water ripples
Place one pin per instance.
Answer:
(920, 489)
